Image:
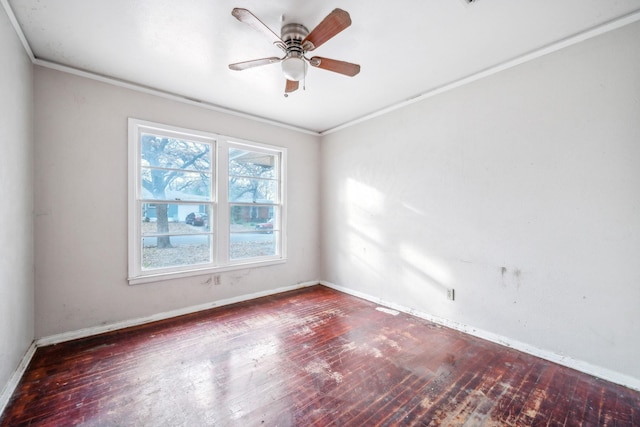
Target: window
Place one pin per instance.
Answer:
(254, 198)
(200, 202)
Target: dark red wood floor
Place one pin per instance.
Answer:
(308, 357)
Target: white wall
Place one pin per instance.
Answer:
(81, 205)
(521, 191)
(16, 193)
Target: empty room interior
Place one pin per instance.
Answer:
(312, 213)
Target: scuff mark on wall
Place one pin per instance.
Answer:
(516, 274)
(211, 281)
(503, 272)
(237, 277)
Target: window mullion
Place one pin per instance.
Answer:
(222, 196)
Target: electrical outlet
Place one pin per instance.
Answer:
(451, 294)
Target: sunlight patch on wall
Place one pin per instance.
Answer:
(413, 209)
(367, 254)
(364, 209)
(429, 266)
(363, 198)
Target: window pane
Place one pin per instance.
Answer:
(162, 218)
(252, 164)
(252, 177)
(251, 190)
(251, 218)
(174, 251)
(253, 232)
(162, 184)
(171, 153)
(175, 235)
(248, 245)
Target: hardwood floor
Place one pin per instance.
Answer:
(313, 356)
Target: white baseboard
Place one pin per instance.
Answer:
(10, 387)
(569, 362)
(95, 330)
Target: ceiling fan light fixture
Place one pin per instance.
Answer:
(294, 68)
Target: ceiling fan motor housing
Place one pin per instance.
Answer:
(294, 66)
(294, 32)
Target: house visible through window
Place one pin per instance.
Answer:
(200, 202)
(254, 203)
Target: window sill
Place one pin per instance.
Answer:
(148, 278)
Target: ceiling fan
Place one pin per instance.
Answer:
(296, 41)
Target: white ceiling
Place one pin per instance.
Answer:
(406, 48)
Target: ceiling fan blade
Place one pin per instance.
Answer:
(331, 25)
(239, 66)
(291, 86)
(342, 67)
(243, 15)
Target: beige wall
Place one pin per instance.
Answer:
(16, 193)
(81, 206)
(521, 191)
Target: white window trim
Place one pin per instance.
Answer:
(220, 224)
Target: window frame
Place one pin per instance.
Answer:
(219, 204)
